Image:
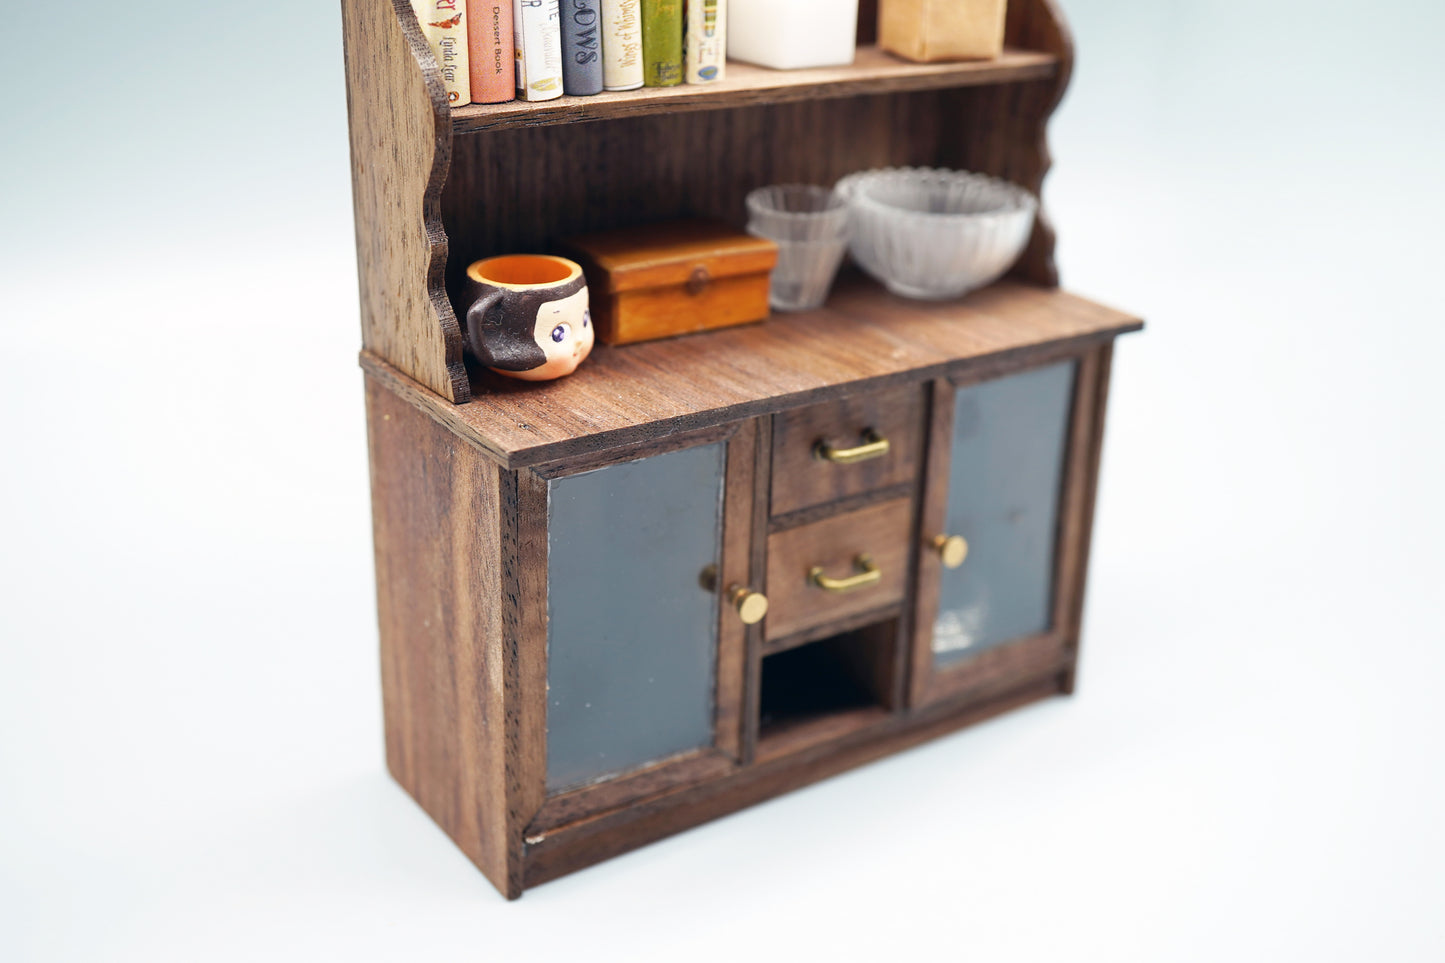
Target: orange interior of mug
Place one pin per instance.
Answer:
(523, 269)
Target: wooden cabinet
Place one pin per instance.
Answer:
(570, 575)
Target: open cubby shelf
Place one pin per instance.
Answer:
(873, 71)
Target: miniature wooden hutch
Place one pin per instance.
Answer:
(577, 657)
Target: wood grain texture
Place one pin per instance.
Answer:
(997, 669)
(528, 189)
(1092, 404)
(795, 603)
(699, 765)
(436, 512)
(822, 630)
(746, 85)
(802, 480)
(673, 277)
(581, 844)
(740, 486)
(1002, 130)
(864, 340)
(791, 737)
(524, 659)
(400, 152)
(932, 517)
(758, 558)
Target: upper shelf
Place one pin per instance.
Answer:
(872, 72)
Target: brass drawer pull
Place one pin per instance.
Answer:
(868, 574)
(876, 446)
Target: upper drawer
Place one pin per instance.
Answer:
(803, 476)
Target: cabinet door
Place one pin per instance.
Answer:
(643, 667)
(996, 478)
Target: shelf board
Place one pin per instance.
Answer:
(863, 335)
(872, 72)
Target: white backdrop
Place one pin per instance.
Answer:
(190, 736)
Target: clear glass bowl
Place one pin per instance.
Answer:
(797, 212)
(936, 234)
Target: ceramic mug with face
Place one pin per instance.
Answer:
(529, 315)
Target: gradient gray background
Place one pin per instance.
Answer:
(190, 736)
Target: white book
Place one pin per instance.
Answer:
(621, 44)
(537, 25)
(444, 24)
(705, 45)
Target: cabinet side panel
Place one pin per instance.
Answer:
(438, 590)
(400, 152)
(1002, 129)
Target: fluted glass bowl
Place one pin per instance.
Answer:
(936, 234)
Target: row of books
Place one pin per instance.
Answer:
(491, 51)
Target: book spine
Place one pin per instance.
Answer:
(621, 44)
(444, 24)
(705, 47)
(661, 43)
(489, 51)
(581, 47)
(538, 35)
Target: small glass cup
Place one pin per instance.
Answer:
(804, 273)
(797, 212)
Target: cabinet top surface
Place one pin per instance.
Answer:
(864, 338)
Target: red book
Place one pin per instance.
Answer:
(489, 43)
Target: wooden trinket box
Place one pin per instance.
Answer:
(680, 277)
(701, 572)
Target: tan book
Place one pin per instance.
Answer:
(538, 28)
(705, 46)
(621, 44)
(444, 23)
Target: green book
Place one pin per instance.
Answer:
(661, 43)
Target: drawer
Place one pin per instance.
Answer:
(834, 545)
(803, 477)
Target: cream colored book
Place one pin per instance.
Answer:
(444, 23)
(538, 26)
(705, 45)
(621, 44)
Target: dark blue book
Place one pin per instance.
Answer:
(581, 47)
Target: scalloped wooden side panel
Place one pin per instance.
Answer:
(1040, 25)
(401, 145)
(1003, 129)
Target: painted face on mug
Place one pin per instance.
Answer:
(528, 317)
(564, 333)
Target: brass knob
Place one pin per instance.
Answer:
(751, 606)
(874, 446)
(867, 573)
(953, 549)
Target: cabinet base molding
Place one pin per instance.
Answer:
(581, 844)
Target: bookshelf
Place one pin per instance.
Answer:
(873, 71)
(469, 469)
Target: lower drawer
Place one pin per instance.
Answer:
(837, 567)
